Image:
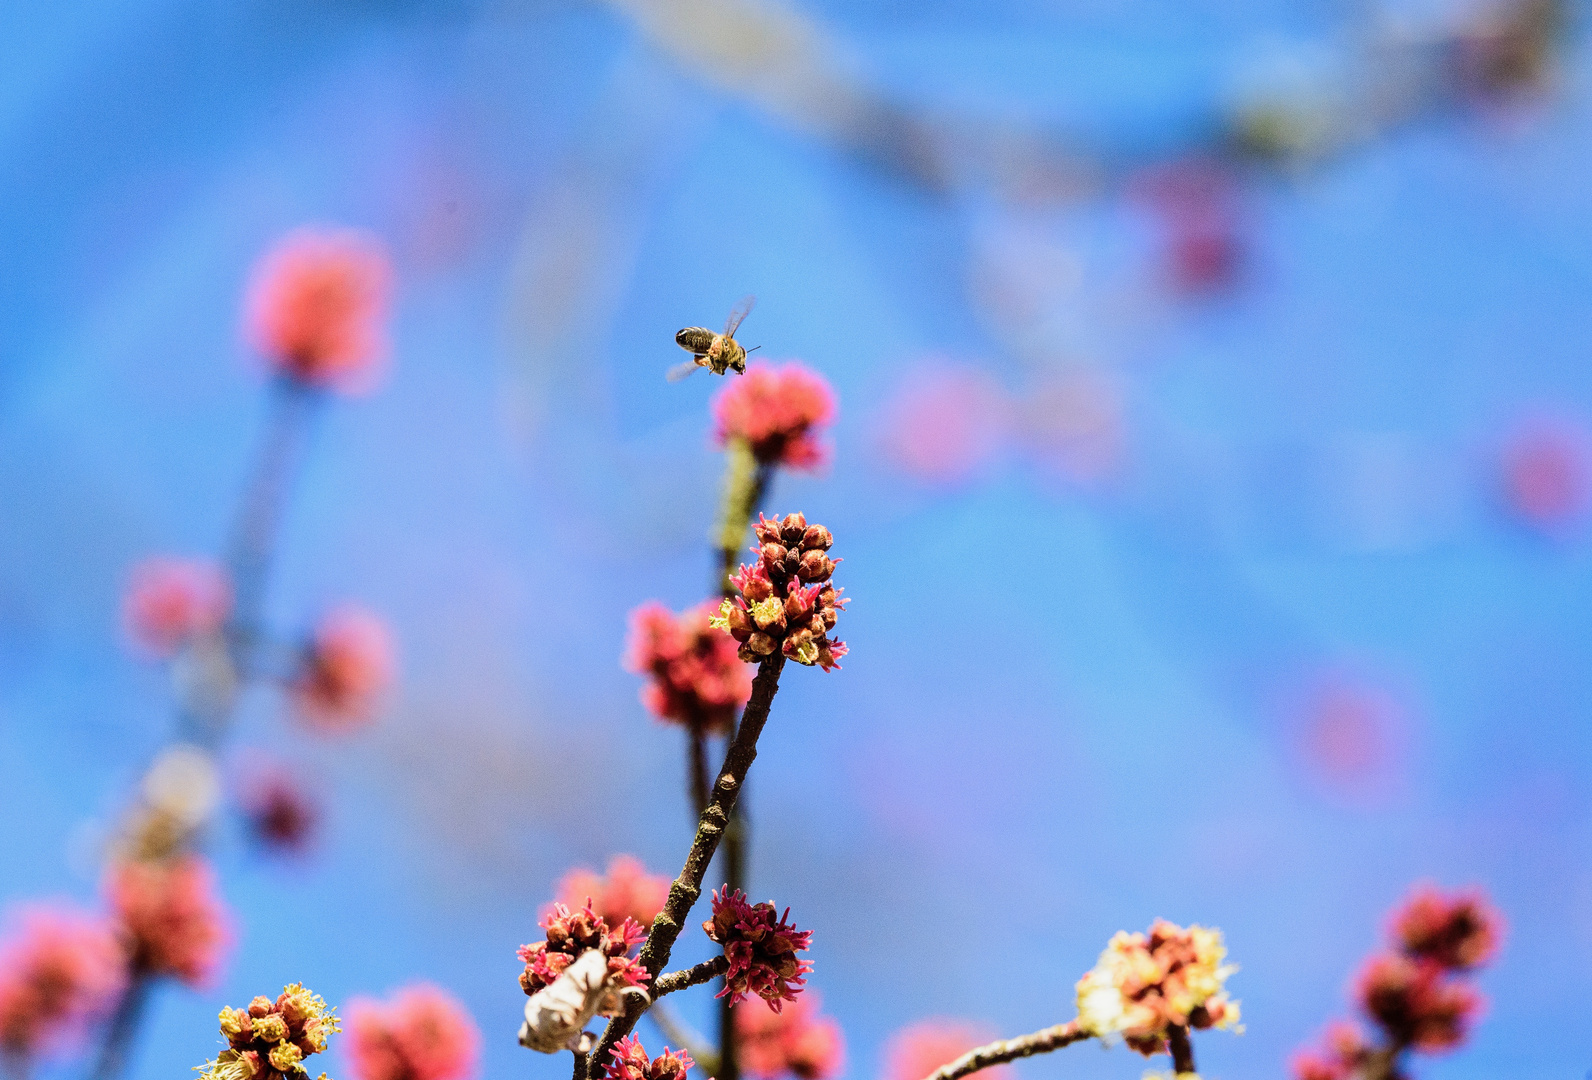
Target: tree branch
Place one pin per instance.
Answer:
(687, 887)
(692, 976)
(997, 1053)
(1182, 1050)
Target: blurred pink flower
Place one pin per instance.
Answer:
(779, 411)
(1344, 1049)
(795, 1041)
(280, 813)
(1072, 426)
(627, 892)
(1458, 931)
(1547, 474)
(59, 970)
(696, 678)
(169, 601)
(1350, 734)
(174, 921)
(1195, 201)
(1414, 1003)
(761, 947)
(630, 1062)
(348, 667)
(944, 424)
(316, 307)
(421, 1033)
(916, 1051)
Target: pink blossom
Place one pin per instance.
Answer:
(794, 1041)
(775, 609)
(942, 426)
(316, 307)
(280, 813)
(1343, 1051)
(421, 1033)
(630, 1062)
(761, 947)
(169, 601)
(269, 1040)
(1459, 931)
(696, 678)
(1196, 202)
(779, 411)
(349, 665)
(914, 1052)
(627, 893)
(1547, 474)
(571, 932)
(58, 971)
(1414, 1003)
(174, 922)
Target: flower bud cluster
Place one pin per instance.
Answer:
(61, 970)
(170, 601)
(573, 932)
(1417, 992)
(422, 1033)
(627, 893)
(172, 918)
(346, 668)
(795, 1041)
(919, 1049)
(696, 678)
(761, 948)
(778, 411)
(269, 1040)
(630, 1062)
(788, 602)
(1146, 984)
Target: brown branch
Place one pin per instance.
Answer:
(687, 887)
(1177, 1041)
(697, 751)
(691, 976)
(997, 1053)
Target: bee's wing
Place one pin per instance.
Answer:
(680, 371)
(738, 316)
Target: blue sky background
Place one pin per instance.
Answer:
(1068, 710)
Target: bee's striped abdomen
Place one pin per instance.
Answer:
(695, 339)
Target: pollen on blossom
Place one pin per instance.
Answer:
(270, 1039)
(915, 1052)
(787, 600)
(695, 676)
(170, 601)
(421, 1033)
(316, 307)
(761, 948)
(627, 892)
(1459, 931)
(173, 921)
(346, 669)
(779, 412)
(280, 813)
(573, 931)
(1414, 1003)
(795, 1041)
(59, 970)
(630, 1062)
(1145, 984)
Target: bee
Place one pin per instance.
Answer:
(716, 352)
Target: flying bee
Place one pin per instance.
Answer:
(716, 352)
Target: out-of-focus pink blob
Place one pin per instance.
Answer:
(348, 668)
(280, 812)
(627, 892)
(944, 424)
(1546, 474)
(916, 1051)
(422, 1033)
(317, 305)
(796, 1041)
(1071, 425)
(172, 916)
(169, 601)
(58, 971)
(1195, 202)
(1351, 736)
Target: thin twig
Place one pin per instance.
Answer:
(687, 887)
(1177, 1041)
(1004, 1050)
(698, 750)
(679, 1035)
(691, 976)
(123, 1028)
(580, 1066)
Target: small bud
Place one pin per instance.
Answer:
(760, 645)
(259, 1006)
(816, 566)
(793, 528)
(817, 538)
(285, 1057)
(272, 1028)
